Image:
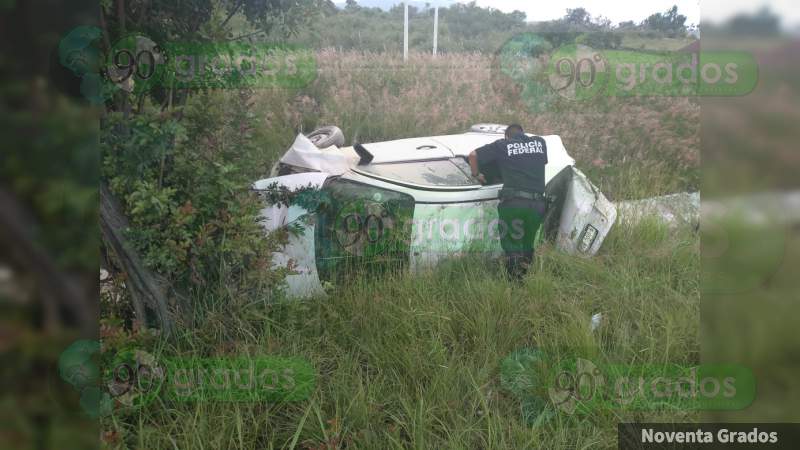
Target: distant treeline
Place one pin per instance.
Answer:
(468, 27)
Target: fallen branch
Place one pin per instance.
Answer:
(146, 288)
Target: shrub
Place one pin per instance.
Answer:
(183, 180)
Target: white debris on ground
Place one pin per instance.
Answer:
(596, 321)
(108, 288)
(686, 208)
(675, 209)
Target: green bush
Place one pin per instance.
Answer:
(183, 179)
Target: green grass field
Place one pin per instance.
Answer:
(413, 360)
(416, 360)
(633, 41)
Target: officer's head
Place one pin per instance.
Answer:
(514, 131)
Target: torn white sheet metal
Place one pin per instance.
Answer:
(332, 160)
(300, 248)
(586, 218)
(674, 209)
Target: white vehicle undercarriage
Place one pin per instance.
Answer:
(420, 192)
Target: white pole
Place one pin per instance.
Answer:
(405, 35)
(435, 28)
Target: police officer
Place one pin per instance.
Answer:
(520, 160)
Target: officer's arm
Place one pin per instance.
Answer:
(473, 163)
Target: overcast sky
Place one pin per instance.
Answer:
(638, 10)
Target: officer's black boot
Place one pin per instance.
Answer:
(516, 268)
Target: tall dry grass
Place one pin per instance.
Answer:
(631, 147)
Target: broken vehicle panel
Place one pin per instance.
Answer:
(586, 216)
(299, 250)
(415, 203)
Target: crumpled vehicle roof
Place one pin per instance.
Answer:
(336, 161)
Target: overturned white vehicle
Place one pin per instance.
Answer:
(409, 203)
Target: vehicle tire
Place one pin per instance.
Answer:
(494, 128)
(324, 137)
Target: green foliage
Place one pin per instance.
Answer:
(762, 23)
(462, 27)
(283, 17)
(184, 185)
(164, 20)
(50, 160)
(601, 39)
(182, 174)
(468, 28)
(670, 22)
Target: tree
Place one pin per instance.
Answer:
(669, 23)
(143, 182)
(577, 16)
(518, 16)
(762, 23)
(48, 167)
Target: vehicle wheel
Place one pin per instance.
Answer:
(326, 136)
